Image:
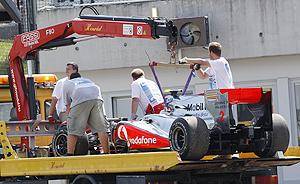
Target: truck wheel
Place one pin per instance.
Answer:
(276, 140)
(189, 136)
(59, 143)
(84, 179)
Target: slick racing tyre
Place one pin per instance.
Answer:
(276, 140)
(59, 143)
(189, 136)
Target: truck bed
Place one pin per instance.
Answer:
(132, 163)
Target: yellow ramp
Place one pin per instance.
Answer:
(114, 163)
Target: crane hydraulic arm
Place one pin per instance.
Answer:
(27, 44)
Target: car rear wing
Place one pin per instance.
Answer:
(254, 107)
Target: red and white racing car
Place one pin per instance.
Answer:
(198, 125)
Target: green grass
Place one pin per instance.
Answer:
(5, 47)
(4, 50)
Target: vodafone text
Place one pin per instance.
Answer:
(142, 140)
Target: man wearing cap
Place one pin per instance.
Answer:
(145, 93)
(57, 102)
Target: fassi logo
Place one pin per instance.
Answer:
(122, 134)
(30, 38)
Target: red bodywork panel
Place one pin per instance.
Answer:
(140, 139)
(243, 95)
(30, 42)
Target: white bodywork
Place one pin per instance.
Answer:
(160, 124)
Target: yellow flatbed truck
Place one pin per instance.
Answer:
(140, 168)
(136, 168)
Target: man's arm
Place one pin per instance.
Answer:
(134, 106)
(202, 62)
(68, 109)
(201, 74)
(56, 94)
(52, 106)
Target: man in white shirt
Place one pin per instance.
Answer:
(217, 69)
(218, 72)
(83, 98)
(57, 95)
(146, 94)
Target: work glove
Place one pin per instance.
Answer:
(183, 60)
(133, 116)
(51, 119)
(197, 66)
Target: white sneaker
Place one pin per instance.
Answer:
(222, 157)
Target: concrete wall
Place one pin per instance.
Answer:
(250, 72)
(237, 24)
(270, 61)
(8, 30)
(261, 39)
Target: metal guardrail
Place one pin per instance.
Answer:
(33, 128)
(30, 128)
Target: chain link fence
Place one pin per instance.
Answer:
(5, 46)
(44, 4)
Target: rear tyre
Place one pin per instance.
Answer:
(189, 136)
(276, 140)
(59, 142)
